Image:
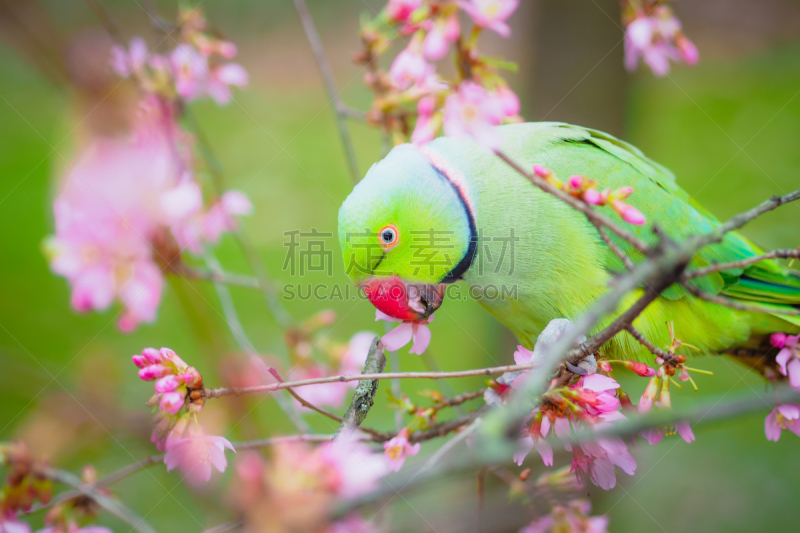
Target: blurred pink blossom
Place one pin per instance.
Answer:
(784, 416)
(490, 14)
(325, 394)
(352, 524)
(358, 470)
(398, 448)
(472, 112)
(196, 454)
(657, 40)
(409, 68)
(130, 61)
(222, 78)
(10, 524)
(408, 331)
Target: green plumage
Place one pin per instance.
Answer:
(560, 264)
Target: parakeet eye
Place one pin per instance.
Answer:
(388, 236)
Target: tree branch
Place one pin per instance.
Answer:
(733, 304)
(364, 395)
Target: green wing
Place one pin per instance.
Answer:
(614, 163)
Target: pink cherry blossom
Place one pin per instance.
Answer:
(398, 448)
(408, 331)
(657, 40)
(490, 14)
(409, 68)
(222, 78)
(196, 454)
(784, 416)
(190, 72)
(508, 100)
(473, 113)
(206, 226)
(441, 32)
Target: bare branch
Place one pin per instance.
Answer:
(616, 249)
(639, 336)
(330, 85)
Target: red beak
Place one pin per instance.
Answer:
(406, 301)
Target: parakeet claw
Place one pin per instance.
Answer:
(405, 301)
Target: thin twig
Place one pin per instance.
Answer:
(458, 400)
(784, 253)
(639, 336)
(330, 86)
(377, 434)
(444, 428)
(616, 249)
(491, 371)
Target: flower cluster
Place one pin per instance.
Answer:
(194, 69)
(24, 485)
(467, 106)
(297, 489)
(586, 189)
(177, 400)
(589, 403)
(653, 34)
(128, 206)
(785, 416)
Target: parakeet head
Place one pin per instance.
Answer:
(405, 232)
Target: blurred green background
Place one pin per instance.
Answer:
(729, 129)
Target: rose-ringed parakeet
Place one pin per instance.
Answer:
(430, 215)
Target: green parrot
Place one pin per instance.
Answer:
(428, 216)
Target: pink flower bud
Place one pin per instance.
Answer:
(140, 361)
(152, 355)
(640, 368)
(171, 356)
(778, 340)
(592, 196)
(227, 49)
(172, 402)
(576, 182)
(426, 106)
(604, 366)
(168, 383)
(629, 214)
(541, 171)
(650, 394)
(191, 377)
(623, 192)
(152, 372)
